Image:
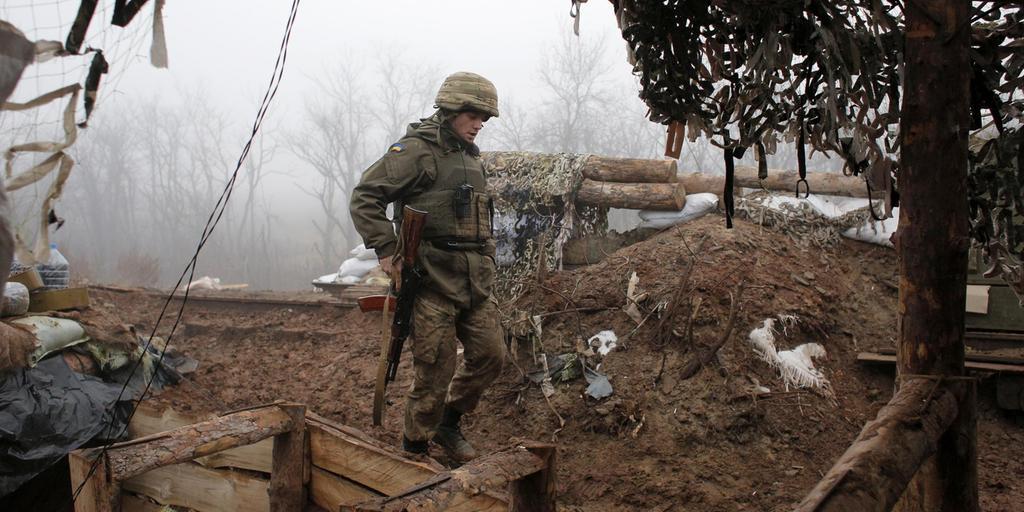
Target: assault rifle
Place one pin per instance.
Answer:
(411, 278)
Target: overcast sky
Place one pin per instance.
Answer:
(227, 47)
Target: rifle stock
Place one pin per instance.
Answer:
(413, 221)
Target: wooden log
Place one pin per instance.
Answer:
(493, 471)
(97, 492)
(331, 492)
(629, 170)
(933, 236)
(191, 441)
(151, 419)
(288, 473)
(192, 486)
(874, 471)
(536, 492)
(634, 196)
(820, 182)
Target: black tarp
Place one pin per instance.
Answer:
(48, 411)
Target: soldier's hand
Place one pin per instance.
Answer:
(393, 268)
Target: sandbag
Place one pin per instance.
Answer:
(362, 253)
(356, 267)
(697, 205)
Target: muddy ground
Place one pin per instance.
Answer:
(659, 442)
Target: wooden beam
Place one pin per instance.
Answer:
(151, 419)
(331, 492)
(455, 487)
(193, 486)
(933, 237)
(876, 468)
(191, 441)
(536, 492)
(288, 473)
(100, 493)
(984, 366)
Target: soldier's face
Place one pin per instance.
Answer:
(468, 124)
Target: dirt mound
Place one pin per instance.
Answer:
(660, 442)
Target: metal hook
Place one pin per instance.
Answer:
(807, 188)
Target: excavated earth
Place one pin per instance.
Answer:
(659, 442)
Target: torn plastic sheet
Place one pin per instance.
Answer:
(48, 411)
(598, 385)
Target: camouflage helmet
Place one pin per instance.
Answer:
(462, 90)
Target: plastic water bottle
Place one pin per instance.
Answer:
(56, 272)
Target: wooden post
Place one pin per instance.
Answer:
(536, 492)
(100, 492)
(288, 474)
(932, 238)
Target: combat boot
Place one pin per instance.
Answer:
(449, 436)
(414, 447)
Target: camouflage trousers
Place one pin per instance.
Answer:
(438, 326)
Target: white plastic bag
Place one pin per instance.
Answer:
(697, 205)
(362, 253)
(356, 267)
(15, 300)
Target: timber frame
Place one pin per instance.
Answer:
(176, 459)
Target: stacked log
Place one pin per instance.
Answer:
(642, 184)
(631, 183)
(607, 182)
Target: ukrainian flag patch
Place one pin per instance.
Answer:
(397, 147)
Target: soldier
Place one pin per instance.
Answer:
(436, 168)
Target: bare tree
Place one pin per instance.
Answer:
(333, 141)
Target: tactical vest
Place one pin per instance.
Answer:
(455, 217)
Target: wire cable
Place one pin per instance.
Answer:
(190, 268)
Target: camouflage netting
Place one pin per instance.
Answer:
(806, 226)
(752, 73)
(535, 198)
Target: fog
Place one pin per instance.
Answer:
(162, 143)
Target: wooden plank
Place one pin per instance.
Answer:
(492, 471)
(98, 493)
(58, 300)
(330, 491)
(873, 357)
(134, 503)
(193, 486)
(287, 475)
(347, 452)
(191, 441)
(376, 468)
(971, 356)
(151, 419)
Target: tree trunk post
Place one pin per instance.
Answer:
(933, 237)
(288, 473)
(536, 492)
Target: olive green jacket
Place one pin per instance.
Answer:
(409, 168)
